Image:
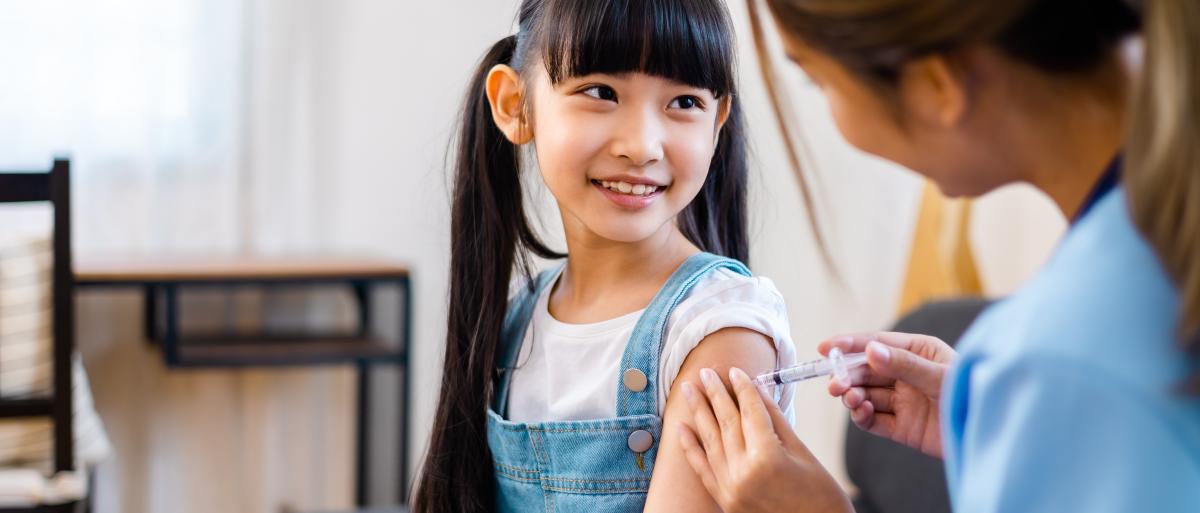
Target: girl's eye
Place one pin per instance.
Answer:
(600, 92)
(686, 102)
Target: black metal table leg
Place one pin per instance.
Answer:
(362, 295)
(151, 311)
(170, 341)
(364, 401)
(404, 366)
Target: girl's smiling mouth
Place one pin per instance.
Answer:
(629, 192)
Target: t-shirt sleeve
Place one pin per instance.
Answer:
(727, 300)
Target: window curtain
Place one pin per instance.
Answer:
(191, 126)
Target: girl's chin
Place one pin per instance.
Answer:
(626, 232)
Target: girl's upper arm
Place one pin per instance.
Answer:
(674, 487)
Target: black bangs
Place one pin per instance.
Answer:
(687, 41)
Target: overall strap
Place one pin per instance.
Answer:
(512, 334)
(637, 393)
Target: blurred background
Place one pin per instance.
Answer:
(227, 140)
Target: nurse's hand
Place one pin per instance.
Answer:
(897, 394)
(747, 456)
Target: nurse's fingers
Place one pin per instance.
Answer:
(756, 421)
(729, 419)
(882, 425)
(863, 415)
(705, 423)
(881, 398)
(877, 423)
(902, 365)
(853, 398)
(698, 459)
(931, 348)
(848, 343)
(923, 365)
(859, 377)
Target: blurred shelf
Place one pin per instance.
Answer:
(114, 271)
(284, 352)
(163, 281)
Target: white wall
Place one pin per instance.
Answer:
(397, 72)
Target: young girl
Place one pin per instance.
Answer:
(554, 399)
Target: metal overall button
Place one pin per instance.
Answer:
(634, 379)
(640, 441)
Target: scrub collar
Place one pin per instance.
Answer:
(1108, 181)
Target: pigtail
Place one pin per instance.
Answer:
(1162, 171)
(716, 219)
(489, 237)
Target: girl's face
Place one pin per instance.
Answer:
(623, 154)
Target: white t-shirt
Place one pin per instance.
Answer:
(571, 371)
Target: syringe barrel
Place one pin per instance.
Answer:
(798, 372)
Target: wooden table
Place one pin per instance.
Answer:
(163, 279)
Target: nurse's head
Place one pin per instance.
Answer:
(975, 94)
(956, 89)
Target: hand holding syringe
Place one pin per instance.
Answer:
(837, 364)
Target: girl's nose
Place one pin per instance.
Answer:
(639, 138)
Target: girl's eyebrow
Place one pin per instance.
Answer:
(624, 75)
(620, 76)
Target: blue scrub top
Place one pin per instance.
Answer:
(1065, 396)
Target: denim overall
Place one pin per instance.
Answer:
(592, 466)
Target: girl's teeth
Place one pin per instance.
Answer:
(627, 188)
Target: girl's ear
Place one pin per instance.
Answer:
(507, 98)
(935, 91)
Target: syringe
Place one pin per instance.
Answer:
(836, 364)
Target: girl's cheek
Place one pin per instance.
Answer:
(562, 152)
(695, 158)
(549, 153)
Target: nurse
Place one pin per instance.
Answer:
(1081, 391)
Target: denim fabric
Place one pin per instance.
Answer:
(587, 466)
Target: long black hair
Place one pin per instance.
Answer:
(689, 41)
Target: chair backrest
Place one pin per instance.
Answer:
(891, 478)
(52, 187)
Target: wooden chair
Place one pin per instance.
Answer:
(52, 187)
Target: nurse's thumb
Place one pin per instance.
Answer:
(901, 365)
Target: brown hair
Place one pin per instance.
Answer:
(874, 38)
